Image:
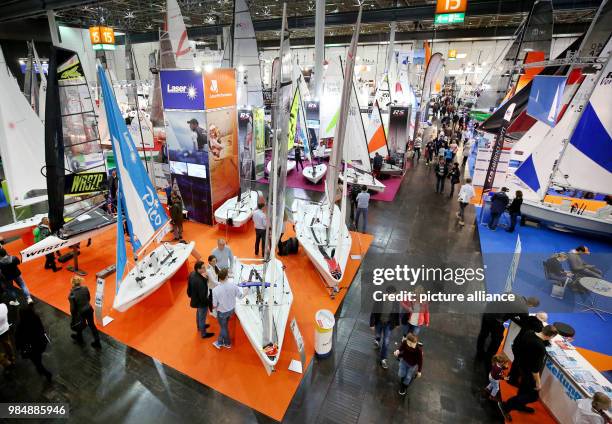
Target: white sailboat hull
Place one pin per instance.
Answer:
(363, 179)
(250, 313)
(305, 214)
(240, 212)
(555, 217)
(389, 169)
(131, 291)
(19, 228)
(314, 174)
(290, 166)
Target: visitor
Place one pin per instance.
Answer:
(577, 265)
(377, 164)
(82, 313)
(355, 190)
(499, 364)
(441, 170)
(466, 193)
(410, 355)
(499, 201)
(176, 214)
(261, 223)
(9, 266)
(383, 323)
(429, 152)
(31, 339)
(515, 210)
(363, 202)
(467, 146)
(533, 323)
(212, 275)
(224, 255)
(418, 143)
(415, 315)
(554, 268)
(7, 356)
(592, 410)
(113, 187)
(298, 158)
(197, 291)
(224, 303)
(453, 148)
(532, 349)
(454, 175)
(41, 232)
(441, 148)
(448, 154)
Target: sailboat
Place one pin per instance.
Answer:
(74, 164)
(313, 172)
(580, 161)
(320, 227)
(182, 49)
(144, 214)
(377, 141)
(264, 310)
(21, 138)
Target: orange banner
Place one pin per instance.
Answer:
(427, 52)
(219, 88)
(101, 35)
(451, 6)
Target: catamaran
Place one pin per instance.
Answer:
(74, 164)
(264, 310)
(320, 227)
(144, 214)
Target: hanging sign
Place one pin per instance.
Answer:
(220, 88)
(182, 89)
(102, 38)
(451, 6)
(452, 54)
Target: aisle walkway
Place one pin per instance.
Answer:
(120, 384)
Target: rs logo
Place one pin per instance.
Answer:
(152, 203)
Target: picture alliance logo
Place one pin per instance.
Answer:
(189, 90)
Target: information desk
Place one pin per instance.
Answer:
(567, 376)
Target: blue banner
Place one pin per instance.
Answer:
(546, 98)
(182, 89)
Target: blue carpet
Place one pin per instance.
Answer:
(537, 245)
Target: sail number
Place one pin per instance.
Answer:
(152, 204)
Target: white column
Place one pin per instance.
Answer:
(319, 47)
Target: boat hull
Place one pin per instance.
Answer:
(564, 220)
(317, 175)
(363, 179)
(290, 166)
(250, 313)
(131, 292)
(19, 228)
(239, 212)
(304, 214)
(392, 170)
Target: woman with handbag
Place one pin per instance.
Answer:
(82, 312)
(32, 340)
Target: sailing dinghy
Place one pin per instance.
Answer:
(320, 227)
(144, 214)
(377, 141)
(264, 310)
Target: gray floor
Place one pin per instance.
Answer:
(121, 385)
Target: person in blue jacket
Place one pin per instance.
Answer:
(499, 201)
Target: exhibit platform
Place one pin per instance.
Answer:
(163, 326)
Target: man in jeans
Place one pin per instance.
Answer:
(9, 266)
(197, 291)
(383, 323)
(261, 222)
(363, 201)
(224, 303)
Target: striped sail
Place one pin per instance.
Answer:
(181, 47)
(375, 132)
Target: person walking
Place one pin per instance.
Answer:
(454, 175)
(383, 322)
(499, 201)
(515, 210)
(176, 214)
(355, 190)
(363, 202)
(441, 170)
(31, 339)
(415, 315)
(224, 255)
(7, 356)
(533, 353)
(9, 266)
(82, 313)
(212, 276)
(224, 303)
(261, 222)
(298, 158)
(410, 355)
(467, 146)
(499, 364)
(197, 291)
(466, 193)
(41, 232)
(418, 143)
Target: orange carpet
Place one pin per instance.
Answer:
(591, 205)
(163, 326)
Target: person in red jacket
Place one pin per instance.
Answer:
(415, 314)
(410, 355)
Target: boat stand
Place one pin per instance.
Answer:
(591, 307)
(75, 258)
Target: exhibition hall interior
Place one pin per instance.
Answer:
(318, 211)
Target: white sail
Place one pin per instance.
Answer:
(181, 47)
(375, 132)
(355, 142)
(246, 57)
(21, 142)
(42, 88)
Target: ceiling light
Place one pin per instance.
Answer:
(461, 55)
(208, 69)
(240, 68)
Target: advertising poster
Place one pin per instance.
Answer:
(259, 132)
(182, 89)
(188, 148)
(398, 128)
(246, 146)
(220, 88)
(223, 154)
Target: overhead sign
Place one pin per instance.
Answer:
(452, 54)
(220, 88)
(450, 18)
(451, 6)
(101, 35)
(182, 89)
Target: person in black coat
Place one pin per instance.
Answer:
(383, 321)
(455, 176)
(197, 290)
(31, 339)
(533, 323)
(499, 201)
(298, 158)
(515, 210)
(82, 313)
(441, 170)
